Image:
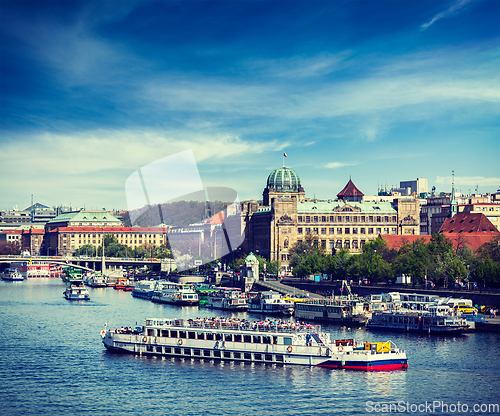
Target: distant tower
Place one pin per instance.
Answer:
(453, 202)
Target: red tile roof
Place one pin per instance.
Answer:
(350, 190)
(473, 241)
(467, 222)
(111, 229)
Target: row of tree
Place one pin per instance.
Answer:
(112, 248)
(436, 261)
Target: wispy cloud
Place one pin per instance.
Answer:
(468, 181)
(338, 165)
(457, 5)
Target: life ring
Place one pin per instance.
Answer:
(289, 349)
(144, 339)
(179, 342)
(341, 348)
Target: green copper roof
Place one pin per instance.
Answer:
(284, 180)
(325, 207)
(251, 258)
(85, 216)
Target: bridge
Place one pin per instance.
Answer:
(94, 264)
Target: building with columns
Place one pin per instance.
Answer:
(349, 222)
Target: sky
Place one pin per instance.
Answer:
(376, 91)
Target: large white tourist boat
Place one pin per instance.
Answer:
(271, 303)
(436, 319)
(262, 342)
(76, 290)
(177, 294)
(227, 298)
(12, 275)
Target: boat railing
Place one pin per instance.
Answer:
(247, 326)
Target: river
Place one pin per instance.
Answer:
(52, 362)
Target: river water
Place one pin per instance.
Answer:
(52, 362)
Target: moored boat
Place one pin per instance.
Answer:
(438, 319)
(263, 342)
(96, 280)
(76, 290)
(271, 303)
(177, 294)
(12, 275)
(342, 311)
(227, 298)
(145, 289)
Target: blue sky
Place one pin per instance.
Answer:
(380, 91)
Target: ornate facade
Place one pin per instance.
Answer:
(287, 216)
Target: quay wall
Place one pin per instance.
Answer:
(327, 288)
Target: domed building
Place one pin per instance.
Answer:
(286, 216)
(282, 182)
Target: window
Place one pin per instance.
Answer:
(323, 243)
(299, 230)
(347, 244)
(323, 218)
(370, 230)
(347, 218)
(339, 230)
(315, 218)
(287, 341)
(386, 230)
(395, 230)
(379, 218)
(354, 230)
(378, 231)
(355, 244)
(347, 230)
(323, 231)
(308, 218)
(332, 218)
(299, 218)
(362, 230)
(355, 219)
(315, 231)
(308, 231)
(370, 218)
(339, 219)
(363, 218)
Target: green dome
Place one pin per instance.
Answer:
(251, 258)
(284, 180)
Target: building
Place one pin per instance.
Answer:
(490, 210)
(418, 187)
(287, 216)
(83, 218)
(12, 219)
(66, 240)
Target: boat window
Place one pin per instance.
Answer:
(191, 335)
(210, 336)
(218, 337)
(158, 349)
(173, 334)
(177, 351)
(247, 338)
(256, 339)
(150, 332)
(258, 357)
(275, 339)
(206, 353)
(247, 356)
(266, 339)
(182, 334)
(217, 354)
(287, 341)
(201, 335)
(268, 357)
(187, 351)
(227, 354)
(228, 337)
(164, 333)
(237, 355)
(168, 350)
(197, 352)
(149, 348)
(279, 358)
(237, 338)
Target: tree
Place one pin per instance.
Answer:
(86, 250)
(10, 247)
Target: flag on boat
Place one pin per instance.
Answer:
(285, 155)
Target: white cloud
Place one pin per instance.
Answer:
(468, 181)
(337, 165)
(448, 12)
